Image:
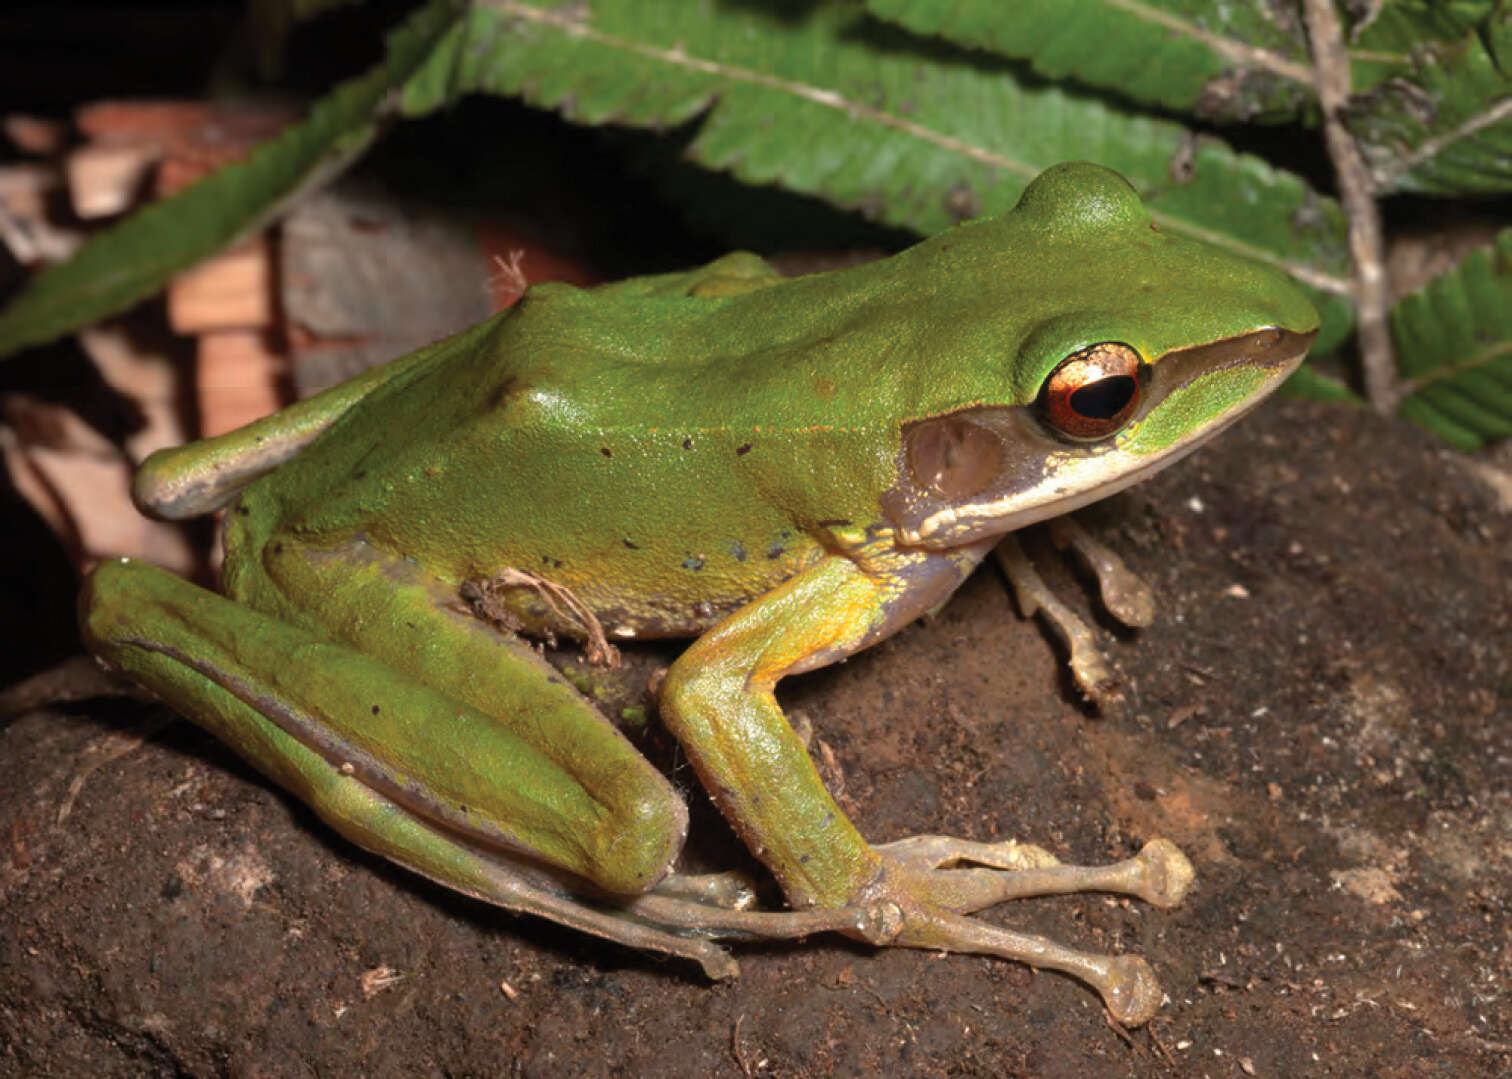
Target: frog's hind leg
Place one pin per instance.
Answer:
(405, 770)
(729, 890)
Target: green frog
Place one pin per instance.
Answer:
(785, 470)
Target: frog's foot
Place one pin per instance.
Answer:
(885, 915)
(927, 885)
(1159, 874)
(1123, 595)
(1090, 669)
(1126, 983)
(924, 889)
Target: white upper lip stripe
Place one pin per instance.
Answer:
(1052, 503)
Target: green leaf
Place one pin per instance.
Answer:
(1383, 40)
(1222, 62)
(1307, 381)
(137, 257)
(1454, 349)
(1443, 126)
(823, 99)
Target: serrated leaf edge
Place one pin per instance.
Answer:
(572, 24)
(1438, 374)
(1244, 55)
(1384, 179)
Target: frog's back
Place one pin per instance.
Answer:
(544, 443)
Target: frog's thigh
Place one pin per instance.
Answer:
(509, 756)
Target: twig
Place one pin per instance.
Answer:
(1357, 195)
(1118, 1028)
(737, 1049)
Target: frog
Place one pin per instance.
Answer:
(785, 470)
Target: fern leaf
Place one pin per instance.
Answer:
(1443, 123)
(1454, 349)
(1307, 381)
(828, 101)
(1221, 62)
(137, 257)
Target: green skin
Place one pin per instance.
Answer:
(717, 453)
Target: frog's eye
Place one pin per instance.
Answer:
(1092, 393)
(953, 458)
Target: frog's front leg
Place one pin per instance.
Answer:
(1123, 595)
(719, 700)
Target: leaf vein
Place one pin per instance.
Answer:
(574, 25)
(1239, 52)
(1431, 148)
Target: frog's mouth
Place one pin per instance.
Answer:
(1021, 473)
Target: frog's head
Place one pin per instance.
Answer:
(1127, 348)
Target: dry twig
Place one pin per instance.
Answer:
(1357, 196)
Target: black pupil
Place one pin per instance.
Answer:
(1103, 399)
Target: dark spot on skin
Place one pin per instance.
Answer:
(737, 549)
(242, 511)
(687, 443)
(776, 550)
(693, 561)
(835, 522)
(632, 546)
(742, 450)
(803, 859)
(605, 451)
(278, 548)
(173, 888)
(376, 709)
(511, 387)
(552, 562)
(409, 625)
(361, 473)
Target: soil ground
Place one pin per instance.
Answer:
(1319, 718)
